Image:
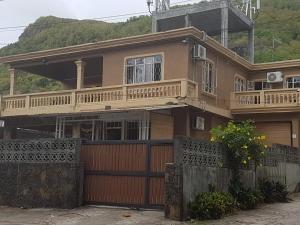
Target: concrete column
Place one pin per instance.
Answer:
(251, 44)
(295, 132)
(8, 133)
(76, 130)
(154, 23)
(80, 73)
(13, 78)
(224, 25)
(188, 123)
(188, 21)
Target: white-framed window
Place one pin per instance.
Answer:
(209, 78)
(293, 82)
(240, 84)
(143, 69)
(199, 123)
(259, 85)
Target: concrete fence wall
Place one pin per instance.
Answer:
(41, 173)
(199, 164)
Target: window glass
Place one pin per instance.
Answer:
(209, 78)
(240, 84)
(142, 70)
(293, 82)
(113, 131)
(132, 130)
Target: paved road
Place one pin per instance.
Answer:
(276, 214)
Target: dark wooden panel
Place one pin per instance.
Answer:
(160, 155)
(156, 194)
(118, 190)
(114, 157)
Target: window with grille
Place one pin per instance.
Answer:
(240, 84)
(209, 78)
(113, 130)
(132, 130)
(144, 69)
(293, 82)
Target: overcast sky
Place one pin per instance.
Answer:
(23, 12)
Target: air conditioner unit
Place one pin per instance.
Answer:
(199, 52)
(199, 123)
(275, 77)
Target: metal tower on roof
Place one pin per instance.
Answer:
(215, 17)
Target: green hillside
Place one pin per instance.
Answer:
(278, 20)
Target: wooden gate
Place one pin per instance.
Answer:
(126, 173)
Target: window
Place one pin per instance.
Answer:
(209, 78)
(199, 123)
(258, 85)
(113, 130)
(240, 84)
(144, 69)
(132, 130)
(293, 82)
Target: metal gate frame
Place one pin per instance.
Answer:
(147, 174)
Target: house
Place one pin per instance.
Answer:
(152, 87)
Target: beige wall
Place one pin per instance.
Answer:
(175, 61)
(293, 118)
(225, 73)
(162, 126)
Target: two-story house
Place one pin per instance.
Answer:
(152, 87)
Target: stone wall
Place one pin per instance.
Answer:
(41, 173)
(202, 163)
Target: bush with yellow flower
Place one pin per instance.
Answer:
(242, 141)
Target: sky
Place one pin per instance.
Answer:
(23, 12)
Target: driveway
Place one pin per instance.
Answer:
(275, 214)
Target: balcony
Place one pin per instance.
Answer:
(277, 100)
(98, 99)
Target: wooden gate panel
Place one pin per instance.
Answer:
(117, 157)
(156, 194)
(126, 174)
(118, 190)
(160, 155)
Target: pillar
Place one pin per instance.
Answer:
(80, 73)
(76, 130)
(13, 78)
(295, 132)
(154, 23)
(188, 21)
(8, 133)
(224, 25)
(251, 44)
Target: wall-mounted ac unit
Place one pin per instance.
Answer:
(199, 123)
(275, 77)
(199, 52)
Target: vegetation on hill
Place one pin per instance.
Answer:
(277, 38)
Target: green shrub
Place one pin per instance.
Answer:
(273, 191)
(249, 199)
(211, 205)
(246, 198)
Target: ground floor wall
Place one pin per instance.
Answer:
(164, 124)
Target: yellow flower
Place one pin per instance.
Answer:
(245, 147)
(263, 137)
(212, 139)
(245, 162)
(249, 158)
(266, 146)
(258, 138)
(223, 137)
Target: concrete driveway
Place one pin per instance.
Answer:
(81, 216)
(275, 214)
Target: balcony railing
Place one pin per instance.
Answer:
(90, 99)
(277, 98)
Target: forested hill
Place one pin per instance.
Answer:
(279, 20)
